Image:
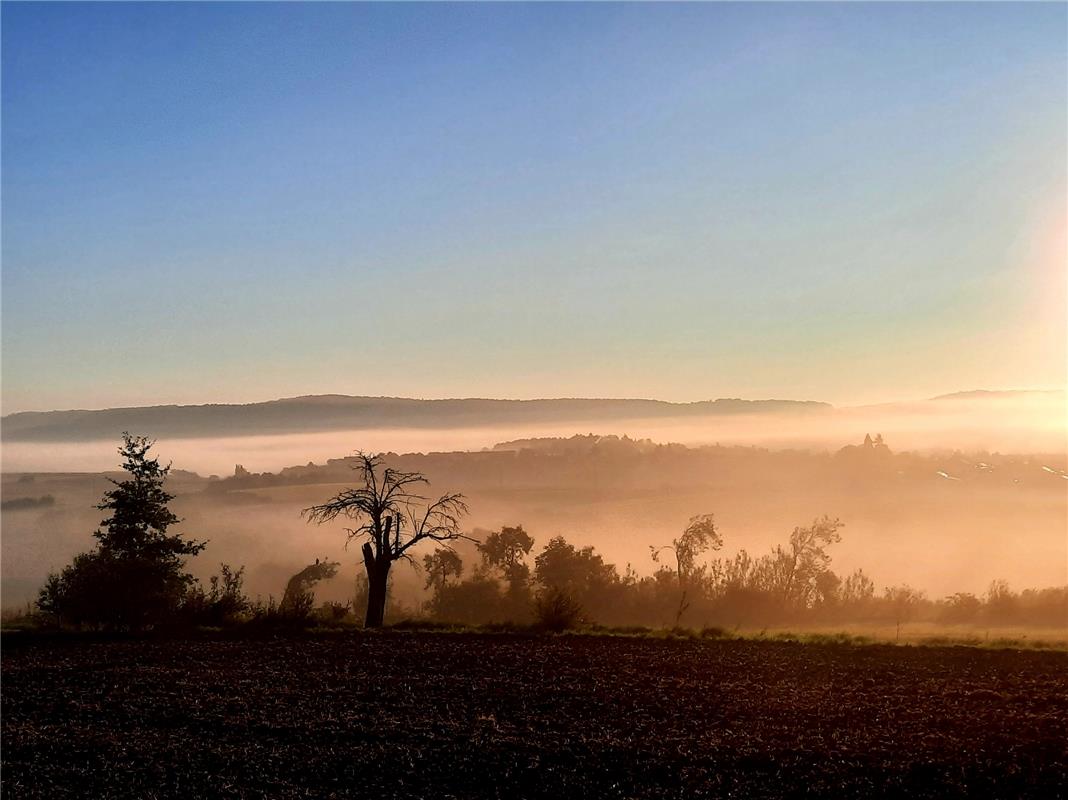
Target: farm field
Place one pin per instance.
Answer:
(464, 715)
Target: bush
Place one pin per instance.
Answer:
(333, 613)
(296, 609)
(714, 632)
(100, 590)
(556, 611)
(297, 614)
(223, 604)
(26, 503)
(474, 602)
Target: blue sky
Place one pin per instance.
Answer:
(234, 202)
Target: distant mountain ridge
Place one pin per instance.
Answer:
(319, 413)
(997, 393)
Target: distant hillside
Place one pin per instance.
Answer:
(340, 412)
(994, 394)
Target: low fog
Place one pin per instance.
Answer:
(944, 510)
(1009, 422)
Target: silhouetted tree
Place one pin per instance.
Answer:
(903, 601)
(858, 592)
(793, 572)
(827, 586)
(137, 527)
(576, 571)
(135, 578)
(505, 550)
(699, 536)
(580, 574)
(1043, 606)
(392, 519)
(1002, 604)
(960, 607)
(440, 565)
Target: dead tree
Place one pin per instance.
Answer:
(392, 518)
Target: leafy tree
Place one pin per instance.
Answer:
(582, 575)
(392, 519)
(699, 536)
(137, 527)
(439, 565)
(903, 601)
(135, 578)
(576, 572)
(506, 550)
(733, 573)
(1044, 606)
(827, 588)
(1002, 604)
(858, 592)
(792, 573)
(961, 607)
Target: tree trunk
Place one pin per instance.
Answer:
(377, 584)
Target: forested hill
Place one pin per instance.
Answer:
(341, 412)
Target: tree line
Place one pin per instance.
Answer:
(135, 577)
(793, 584)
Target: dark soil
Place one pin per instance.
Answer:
(466, 715)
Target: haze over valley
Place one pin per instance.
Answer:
(968, 488)
(272, 435)
(533, 400)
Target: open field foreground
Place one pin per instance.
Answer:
(462, 715)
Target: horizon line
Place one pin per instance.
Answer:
(941, 396)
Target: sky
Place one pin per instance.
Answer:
(238, 202)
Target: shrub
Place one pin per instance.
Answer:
(296, 614)
(333, 613)
(714, 632)
(25, 503)
(473, 602)
(104, 591)
(556, 611)
(223, 604)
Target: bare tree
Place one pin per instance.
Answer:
(392, 517)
